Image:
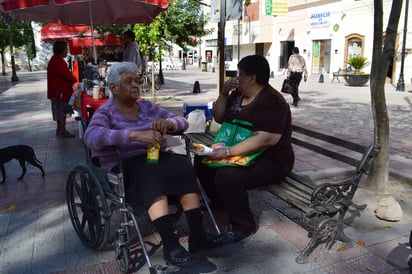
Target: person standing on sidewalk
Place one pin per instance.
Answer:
(132, 50)
(60, 82)
(296, 67)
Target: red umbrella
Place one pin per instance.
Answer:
(85, 12)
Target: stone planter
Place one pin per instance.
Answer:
(356, 79)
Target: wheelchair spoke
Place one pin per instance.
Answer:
(87, 207)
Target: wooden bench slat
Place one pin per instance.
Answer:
(326, 152)
(201, 138)
(330, 139)
(290, 197)
(304, 186)
(295, 192)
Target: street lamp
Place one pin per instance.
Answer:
(401, 83)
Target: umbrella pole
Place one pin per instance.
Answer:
(91, 26)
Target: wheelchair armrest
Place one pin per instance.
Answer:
(83, 122)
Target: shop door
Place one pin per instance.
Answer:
(286, 48)
(321, 56)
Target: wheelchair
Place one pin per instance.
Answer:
(93, 195)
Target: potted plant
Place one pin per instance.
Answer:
(357, 77)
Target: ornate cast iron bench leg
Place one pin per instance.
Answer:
(327, 231)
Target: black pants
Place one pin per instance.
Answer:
(227, 187)
(295, 78)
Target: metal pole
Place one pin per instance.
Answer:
(238, 39)
(14, 77)
(401, 83)
(92, 29)
(221, 40)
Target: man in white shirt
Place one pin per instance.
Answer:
(296, 67)
(132, 50)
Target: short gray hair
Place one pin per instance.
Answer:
(116, 69)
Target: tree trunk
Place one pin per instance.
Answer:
(3, 63)
(378, 178)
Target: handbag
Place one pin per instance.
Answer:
(230, 134)
(285, 86)
(197, 121)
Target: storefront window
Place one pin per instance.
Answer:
(209, 55)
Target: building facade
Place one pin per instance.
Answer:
(327, 32)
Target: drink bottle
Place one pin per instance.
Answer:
(153, 150)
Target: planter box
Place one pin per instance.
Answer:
(356, 80)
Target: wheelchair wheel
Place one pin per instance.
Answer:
(122, 250)
(88, 209)
(122, 257)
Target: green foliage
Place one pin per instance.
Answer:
(21, 31)
(115, 29)
(151, 37)
(185, 19)
(358, 63)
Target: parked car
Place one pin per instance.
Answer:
(167, 64)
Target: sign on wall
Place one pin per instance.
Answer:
(276, 7)
(327, 16)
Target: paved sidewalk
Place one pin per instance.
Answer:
(36, 235)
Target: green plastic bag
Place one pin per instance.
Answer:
(231, 134)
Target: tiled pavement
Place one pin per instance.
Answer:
(36, 235)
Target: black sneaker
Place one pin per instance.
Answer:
(178, 256)
(210, 242)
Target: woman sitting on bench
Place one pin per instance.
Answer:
(130, 125)
(249, 98)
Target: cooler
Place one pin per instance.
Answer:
(191, 105)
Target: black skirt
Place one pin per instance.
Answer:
(173, 175)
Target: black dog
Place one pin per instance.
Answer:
(22, 153)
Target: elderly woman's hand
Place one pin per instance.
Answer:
(146, 136)
(162, 125)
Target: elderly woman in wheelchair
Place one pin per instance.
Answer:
(130, 124)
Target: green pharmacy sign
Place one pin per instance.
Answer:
(276, 7)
